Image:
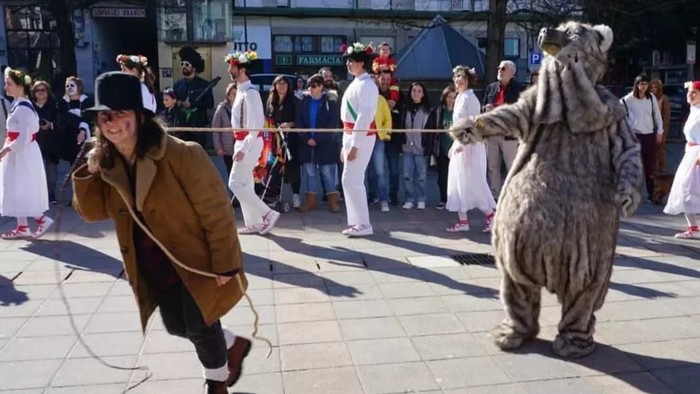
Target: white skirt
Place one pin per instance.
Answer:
(467, 187)
(23, 189)
(685, 192)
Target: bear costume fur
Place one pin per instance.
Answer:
(577, 170)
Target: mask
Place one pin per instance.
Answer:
(71, 89)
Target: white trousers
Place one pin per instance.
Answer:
(353, 179)
(499, 149)
(242, 184)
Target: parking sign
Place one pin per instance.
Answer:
(535, 58)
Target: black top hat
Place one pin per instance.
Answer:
(117, 91)
(188, 53)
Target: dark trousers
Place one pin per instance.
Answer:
(228, 161)
(443, 165)
(648, 144)
(182, 318)
(51, 168)
(393, 151)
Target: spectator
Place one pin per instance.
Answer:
(74, 128)
(378, 161)
(281, 110)
(47, 110)
(172, 114)
(415, 147)
(441, 119)
(299, 87)
(223, 141)
(393, 146)
(657, 89)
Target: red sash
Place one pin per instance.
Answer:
(240, 135)
(13, 135)
(691, 143)
(349, 126)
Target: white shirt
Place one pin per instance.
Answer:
(466, 104)
(249, 105)
(691, 129)
(362, 96)
(149, 100)
(640, 115)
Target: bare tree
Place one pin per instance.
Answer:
(495, 33)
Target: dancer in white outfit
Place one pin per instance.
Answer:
(23, 190)
(357, 111)
(247, 113)
(685, 192)
(137, 65)
(467, 187)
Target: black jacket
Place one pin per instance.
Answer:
(510, 96)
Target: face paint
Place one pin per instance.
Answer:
(71, 89)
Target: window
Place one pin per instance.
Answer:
(511, 47)
(283, 44)
(331, 44)
(212, 20)
(307, 44)
(32, 41)
(172, 20)
(304, 44)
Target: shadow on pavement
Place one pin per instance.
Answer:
(9, 295)
(76, 256)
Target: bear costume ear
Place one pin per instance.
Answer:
(606, 36)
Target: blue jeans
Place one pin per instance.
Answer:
(392, 159)
(414, 173)
(328, 177)
(381, 171)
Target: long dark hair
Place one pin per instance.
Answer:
(445, 92)
(149, 130)
(424, 102)
(637, 80)
(273, 100)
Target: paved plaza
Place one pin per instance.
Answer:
(391, 313)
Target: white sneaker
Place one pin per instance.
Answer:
(385, 206)
(359, 230)
(407, 205)
(421, 205)
(296, 201)
(270, 220)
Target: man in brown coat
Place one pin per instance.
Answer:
(136, 170)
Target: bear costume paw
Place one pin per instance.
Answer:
(568, 346)
(506, 338)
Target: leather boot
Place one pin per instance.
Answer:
(309, 202)
(236, 354)
(333, 201)
(214, 387)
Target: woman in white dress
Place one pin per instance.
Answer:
(23, 190)
(137, 65)
(685, 192)
(467, 187)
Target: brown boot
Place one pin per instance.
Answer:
(236, 354)
(333, 201)
(214, 387)
(309, 202)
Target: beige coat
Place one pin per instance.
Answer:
(185, 205)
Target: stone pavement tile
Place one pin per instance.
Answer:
(512, 388)
(107, 275)
(687, 288)
(53, 325)
(118, 304)
(406, 290)
(59, 307)
(297, 280)
(166, 366)
(480, 286)
(351, 263)
(441, 274)
(393, 378)
(314, 356)
(438, 347)
(682, 380)
(17, 255)
(417, 306)
(605, 360)
(635, 251)
(481, 321)
(261, 297)
(470, 303)
(528, 366)
(412, 275)
(88, 371)
(119, 288)
(22, 308)
(432, 261)
(27, 374)
(37, 348)
(467, 372)
(10, 268)
(83, 290)
(361, 309)
(32, 292)
(304, 312)
(482, 271)
(300, 295)
(258, 361)
(432, 324)
(10, 325)
(341, 380)
(108, 344)
(665, 354)
(28, 391)
(268, 331)
(646, 309)
(242, 314)
(651, 330)
(382, 351)
(159, 341)
(92, 389)
(309, 332)
(372, 328)
(342, 293)
(349, 278)
(114, 322)
(629, 383)
(259, 281)
(560, 386)
(282, 267)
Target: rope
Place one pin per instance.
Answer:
(265, 129)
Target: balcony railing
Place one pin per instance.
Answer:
(398, 5)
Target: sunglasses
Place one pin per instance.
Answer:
(185, 64)
(502, 68)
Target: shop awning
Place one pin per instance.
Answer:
(435, 51)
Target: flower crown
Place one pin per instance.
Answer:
(25, 78)
(238, 57)
(356, 47)
(132, 60)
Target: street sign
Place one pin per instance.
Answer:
(690, 53)
(535, 58)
